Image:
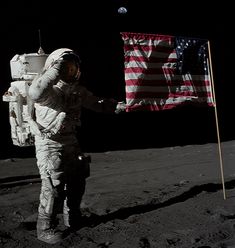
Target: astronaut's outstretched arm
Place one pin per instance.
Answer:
(104, 105)
(42, 86)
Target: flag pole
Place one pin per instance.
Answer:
(216, 119)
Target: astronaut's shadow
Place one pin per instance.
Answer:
(28, 225)
(155, 204)
(93, 220)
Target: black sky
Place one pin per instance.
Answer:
(93, 29)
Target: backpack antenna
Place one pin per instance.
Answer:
(40, 50)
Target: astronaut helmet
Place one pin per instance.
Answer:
(59, 53)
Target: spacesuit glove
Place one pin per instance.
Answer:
(59, 64)
(121, 106)
(68, 67)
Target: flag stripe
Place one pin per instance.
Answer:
(163, 71)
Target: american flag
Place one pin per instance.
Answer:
(163, 71)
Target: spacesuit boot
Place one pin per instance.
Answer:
(50, 202)
(47, 233)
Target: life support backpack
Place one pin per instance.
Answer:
(24, 68)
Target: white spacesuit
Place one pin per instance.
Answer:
(58, 100)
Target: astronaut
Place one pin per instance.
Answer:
(58, 98)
